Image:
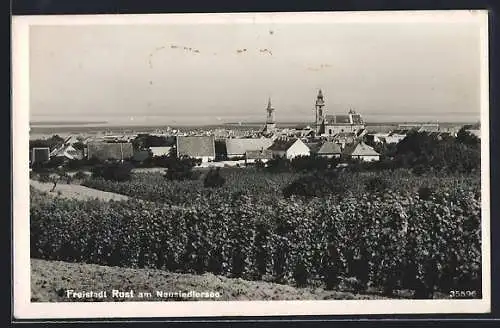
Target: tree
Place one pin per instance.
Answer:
(420, 150)
(145, 141)
(180, 168)
(114, 171)
(467, 138)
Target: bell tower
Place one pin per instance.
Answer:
(320, 111)
(270, 122)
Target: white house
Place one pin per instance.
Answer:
(258, 155)
(396, 136)
(160, 151)
(360, 150)
(290, 148)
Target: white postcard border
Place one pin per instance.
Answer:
(24, 309)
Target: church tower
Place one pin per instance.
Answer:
(270, 123)
(320, 112)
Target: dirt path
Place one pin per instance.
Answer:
(50, 281)
(76, 191)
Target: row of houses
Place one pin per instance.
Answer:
(203, 147)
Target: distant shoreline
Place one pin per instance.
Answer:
(66, 123)
(128, 129)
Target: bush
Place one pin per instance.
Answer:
(114, 171)
(44, 177)
(181, 168)
(214, 179)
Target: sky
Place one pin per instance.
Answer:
(195, 73)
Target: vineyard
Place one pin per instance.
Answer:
(389, 240)
(262, 186)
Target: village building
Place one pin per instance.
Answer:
(67, 151)
(263, 155)
(110, 151)
(396, 136)
(160, 151)
(199, 147)
(379, 137)
(344, 138)
(360, 150)
(329, 149)
(238, 147)
(330, 125)
(289, 148)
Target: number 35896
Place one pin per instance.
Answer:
(463, 294)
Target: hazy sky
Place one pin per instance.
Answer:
(144, 74)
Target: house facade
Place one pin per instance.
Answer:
(361, 151)
(329, 149)
(258, 155)
(290, 148)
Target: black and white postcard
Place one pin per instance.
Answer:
(206, 165)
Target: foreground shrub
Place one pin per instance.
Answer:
(114, 171)
(181, 168)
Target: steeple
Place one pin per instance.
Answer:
(270, 112)
(320, 103)
(270, 123)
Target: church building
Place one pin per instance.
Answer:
(330, 125)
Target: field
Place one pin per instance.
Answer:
(51, 280)
(389, 241)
